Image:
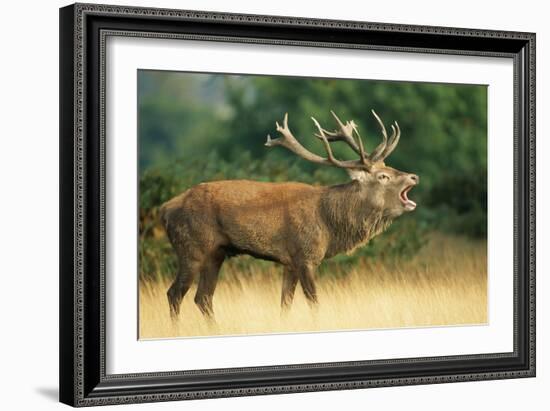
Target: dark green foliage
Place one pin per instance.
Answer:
(459, 203)
(200, 127)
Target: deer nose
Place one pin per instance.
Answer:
(414, 178)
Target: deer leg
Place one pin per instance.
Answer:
(207, 284)
(181, 284)
(306, 275)
(290, 280)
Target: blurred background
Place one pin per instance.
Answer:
(201, 127)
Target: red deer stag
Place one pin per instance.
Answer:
(297, 225)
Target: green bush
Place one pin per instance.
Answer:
(458, 203)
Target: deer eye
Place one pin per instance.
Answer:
(383, 177)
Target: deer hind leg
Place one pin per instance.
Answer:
(306, 276)
(290, 280)
(188, 268)
(207, 284)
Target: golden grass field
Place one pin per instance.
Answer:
(444, 284)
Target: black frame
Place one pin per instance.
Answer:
(83, 30)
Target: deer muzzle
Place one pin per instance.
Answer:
(405, 200)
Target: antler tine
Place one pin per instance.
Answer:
(362, 153)
(393, 142)
(340, 124)
(376, 155)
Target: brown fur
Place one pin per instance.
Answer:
(294, 224)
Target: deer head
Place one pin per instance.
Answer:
(384, 188)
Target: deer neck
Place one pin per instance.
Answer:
(350, 219)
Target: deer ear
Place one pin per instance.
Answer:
(359, 175)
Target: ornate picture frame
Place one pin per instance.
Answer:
(84, 30)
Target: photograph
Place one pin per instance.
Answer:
(281, 204)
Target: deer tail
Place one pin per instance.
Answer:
(162, 215)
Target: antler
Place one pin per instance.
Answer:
(345, 134)
(385, 148)
(288, 141)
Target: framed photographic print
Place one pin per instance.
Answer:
(261, 204)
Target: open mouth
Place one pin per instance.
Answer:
(407, 203)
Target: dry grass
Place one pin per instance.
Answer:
(445, 284)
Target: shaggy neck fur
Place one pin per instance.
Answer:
(351, 220)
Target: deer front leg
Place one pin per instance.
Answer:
(290, 280)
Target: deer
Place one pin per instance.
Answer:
(293, 224)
